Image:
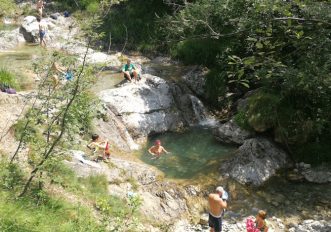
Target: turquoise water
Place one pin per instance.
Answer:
(194, 154)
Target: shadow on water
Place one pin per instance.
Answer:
(194, 153)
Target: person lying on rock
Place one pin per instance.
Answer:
(130, 71)
(157, 150)
(100, 147)
(216, 208)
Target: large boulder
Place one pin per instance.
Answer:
(151, 106)
(30, 29)
(255, 161)
(231, 133)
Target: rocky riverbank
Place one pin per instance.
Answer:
(132, 112)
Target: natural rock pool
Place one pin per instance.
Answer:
(194, 154)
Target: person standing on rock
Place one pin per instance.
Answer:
(40, 7)
(216, 207)
(157, 149)
(130, 71)
(42, 32)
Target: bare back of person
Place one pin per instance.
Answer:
(216, 208)
(215, 205)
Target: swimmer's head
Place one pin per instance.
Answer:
(157, 142)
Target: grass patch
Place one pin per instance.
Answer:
(8, 79)
(54, 214)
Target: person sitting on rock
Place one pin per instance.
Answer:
(130, 71)
(257, 224)
(42, 32)
(97, 145)
(216, 209)
(157, 149)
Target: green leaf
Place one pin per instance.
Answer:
(259, 45)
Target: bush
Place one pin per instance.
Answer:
(241, 118)
(197, 51)
(216, 87)
(262, 110)
(7, 7)
(7, 78)
(314, 152)
(11, 175)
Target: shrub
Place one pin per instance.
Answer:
(7, 78)
(241, 119)
(11, 175)
(7, 7)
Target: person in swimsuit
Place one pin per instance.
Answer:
(40, 7)
(260, 222)
(42, 32)
(216, 207)
(130, 71)
(157, 149)
(97, 145)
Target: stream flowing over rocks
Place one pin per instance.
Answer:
(132, 112)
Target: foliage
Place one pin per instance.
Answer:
(134, 22)
(26, 214)
(241, 119)
(280, 47)
(7, 78)
(7, 7)
(11, 175)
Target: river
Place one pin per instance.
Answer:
(196, 156)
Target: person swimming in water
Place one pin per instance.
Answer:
(157, 150)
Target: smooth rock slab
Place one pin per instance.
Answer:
(146, 107)
(255, 161)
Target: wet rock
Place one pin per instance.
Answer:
(255, 162)
(30, 29)
(231, 133)
(312, 226)
(196, 80)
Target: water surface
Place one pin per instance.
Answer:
(194, 154)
